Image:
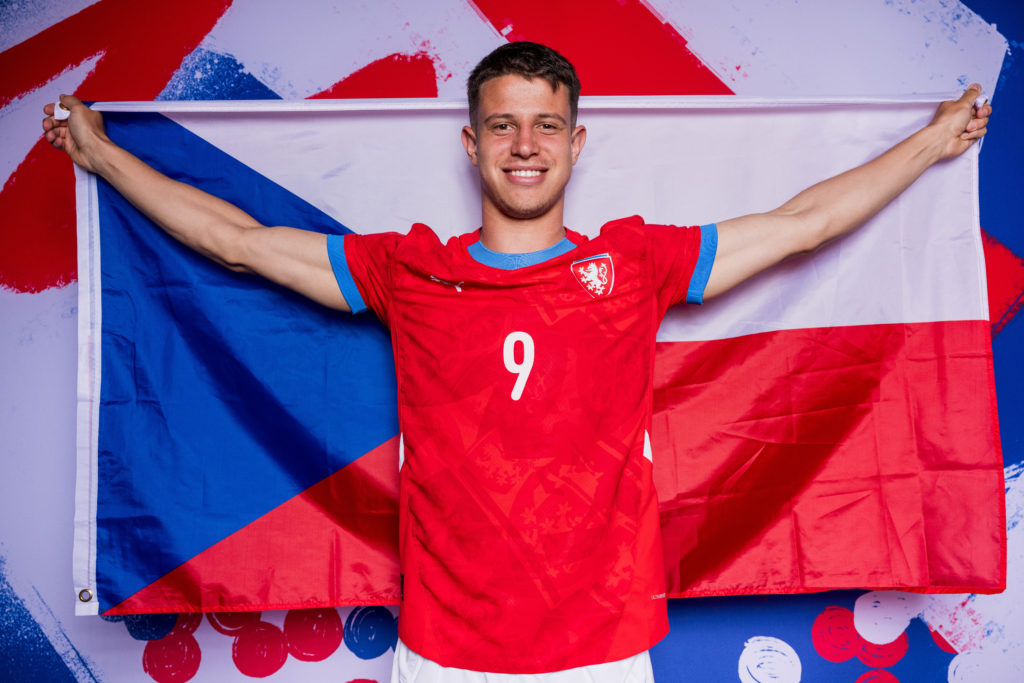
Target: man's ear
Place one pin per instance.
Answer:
(579, 137)
(469, 142)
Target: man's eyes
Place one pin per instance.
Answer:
(544, 127)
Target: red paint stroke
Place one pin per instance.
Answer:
(942, 642)
(37, 222)
(187, 623)
(833, 634)
(835, 638)
(312, 634)
(37, 228)
(172, 659)
(296, 539)
(259, 650)
(230, 623)
(1004, 272)
(877, 676)
(879, 656)
(362, 680)
(964, 627)
(396, 75)
(619, 47)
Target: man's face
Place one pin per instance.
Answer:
(524, 145)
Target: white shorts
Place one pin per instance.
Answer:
(410, 667)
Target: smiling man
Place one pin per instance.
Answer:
(524, 351)
(525, 141)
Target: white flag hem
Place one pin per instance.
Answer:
(87, 434)
(450, 103)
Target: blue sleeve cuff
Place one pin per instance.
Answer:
(336, 253)
(705, 259)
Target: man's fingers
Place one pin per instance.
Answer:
(976, 123)
(976, 128)
(54, 137)
(974, 134)
(70, 101)
(972, 93)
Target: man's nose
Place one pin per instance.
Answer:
(526, 142)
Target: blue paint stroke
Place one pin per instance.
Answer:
(370, 632)
(149, 626)
(206, 75)
(26, 654)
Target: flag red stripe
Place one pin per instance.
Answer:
(814, 459)
(855, 471)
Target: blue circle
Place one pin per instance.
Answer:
(149, 626)
(370, 632)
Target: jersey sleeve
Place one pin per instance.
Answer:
(682, 260)
(363, 267)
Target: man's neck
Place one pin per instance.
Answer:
(514, 236)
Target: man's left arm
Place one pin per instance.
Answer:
(749, 244)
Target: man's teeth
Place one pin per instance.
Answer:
(525, 174)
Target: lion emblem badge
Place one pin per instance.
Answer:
(595, 274)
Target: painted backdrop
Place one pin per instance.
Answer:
(216, 49)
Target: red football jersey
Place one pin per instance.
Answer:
(528, 517)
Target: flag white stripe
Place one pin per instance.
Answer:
(687, 162)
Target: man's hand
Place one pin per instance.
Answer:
(960, 122)
(79, 134)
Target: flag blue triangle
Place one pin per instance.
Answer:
(222, 395)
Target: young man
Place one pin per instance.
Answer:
(529, 521)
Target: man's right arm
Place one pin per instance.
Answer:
(294, 258)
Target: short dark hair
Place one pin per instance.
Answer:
(529, 60)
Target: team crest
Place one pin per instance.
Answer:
(595, 274)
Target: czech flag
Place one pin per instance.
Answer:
(829, 424)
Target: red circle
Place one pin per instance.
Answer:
(259, 650)
(883, 655)
(312, 634)
(230, 623)
(171, 659)
(834, 636)
(187, 623)
(877, 676)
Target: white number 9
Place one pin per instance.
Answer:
(520, 369)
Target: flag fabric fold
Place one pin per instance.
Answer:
(830, 424)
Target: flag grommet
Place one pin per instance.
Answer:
(85, 595)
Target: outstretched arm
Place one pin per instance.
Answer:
(294, 258)
(749, 244)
